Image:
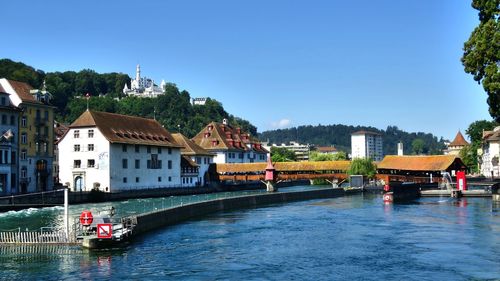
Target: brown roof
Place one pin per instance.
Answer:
(217, 136)
(418, 163)
(284, 166)
(491, 135)
(23, 91)
(60, 129)
(459, 140)
(187, 162)
(118, 128)
(364, 132)
(326, 149)
(189, 147)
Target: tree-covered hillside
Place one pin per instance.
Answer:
(340, 136)
(173, 110)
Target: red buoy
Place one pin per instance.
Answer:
(86, 218)
(387, 188)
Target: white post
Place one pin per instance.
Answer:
(66, 214)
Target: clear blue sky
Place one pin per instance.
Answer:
(274, 63)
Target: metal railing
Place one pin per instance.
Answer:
(46, 235)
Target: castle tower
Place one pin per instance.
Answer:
(138, 73)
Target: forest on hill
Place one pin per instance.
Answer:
(340, 136)
(173, 109)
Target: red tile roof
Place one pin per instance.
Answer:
(189, 147)
(459, 140)
(326, 149)
(217, 136)
(23, 91)
(418, 163)
(118, 128)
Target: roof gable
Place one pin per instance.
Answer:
(189, 147)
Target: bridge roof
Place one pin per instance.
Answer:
(419, 163)
(284, 166)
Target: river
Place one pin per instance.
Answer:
(349, 238)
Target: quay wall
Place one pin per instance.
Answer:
(153, 220)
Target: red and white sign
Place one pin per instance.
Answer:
(86, 218)
(104, 230)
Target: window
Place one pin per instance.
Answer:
(12, 120)
(76, 134)
(159, 179)
(45, 147)
(136, 179)
(124, 180)
(24, 138)
(154, 163)
(137, 163)
(91, 147)
(46, 115)
(77, 163)
(149, 149)
(169, 164)
(23, 154)
(137, 148)
(124, 147)
(76, 147)
(124, 163)
(24, 172)
(90, 163)
(23, 121)
(13, 157)
(3, 101)
(91, 133)
(198, 160)
(4, 119)
(169, 150)
(169, 178)
(159, 150)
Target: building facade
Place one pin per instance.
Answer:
(143, 86)
(366, 144)
(36, 135)
(490, 153)
(9, 144)
(198, 159)
(230, 145)
(112, 152)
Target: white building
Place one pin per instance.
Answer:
(490, 153)
(198, 101)
(230, 145)
(301, 151)
(194, 169)
(113, 152)
(143, 86)
(365, 144)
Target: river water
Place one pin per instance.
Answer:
(348, 238)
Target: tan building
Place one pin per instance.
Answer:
(36, 135)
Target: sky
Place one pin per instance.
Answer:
(278, 64)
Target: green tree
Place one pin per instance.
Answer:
(482, 52)
(362, 166)
(418, 146)
(281, 154)
(468, 154)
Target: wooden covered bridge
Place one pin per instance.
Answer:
(329, 170)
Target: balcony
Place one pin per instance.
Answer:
(39, 137)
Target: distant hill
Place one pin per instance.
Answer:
(340, 136)
(173, 109)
